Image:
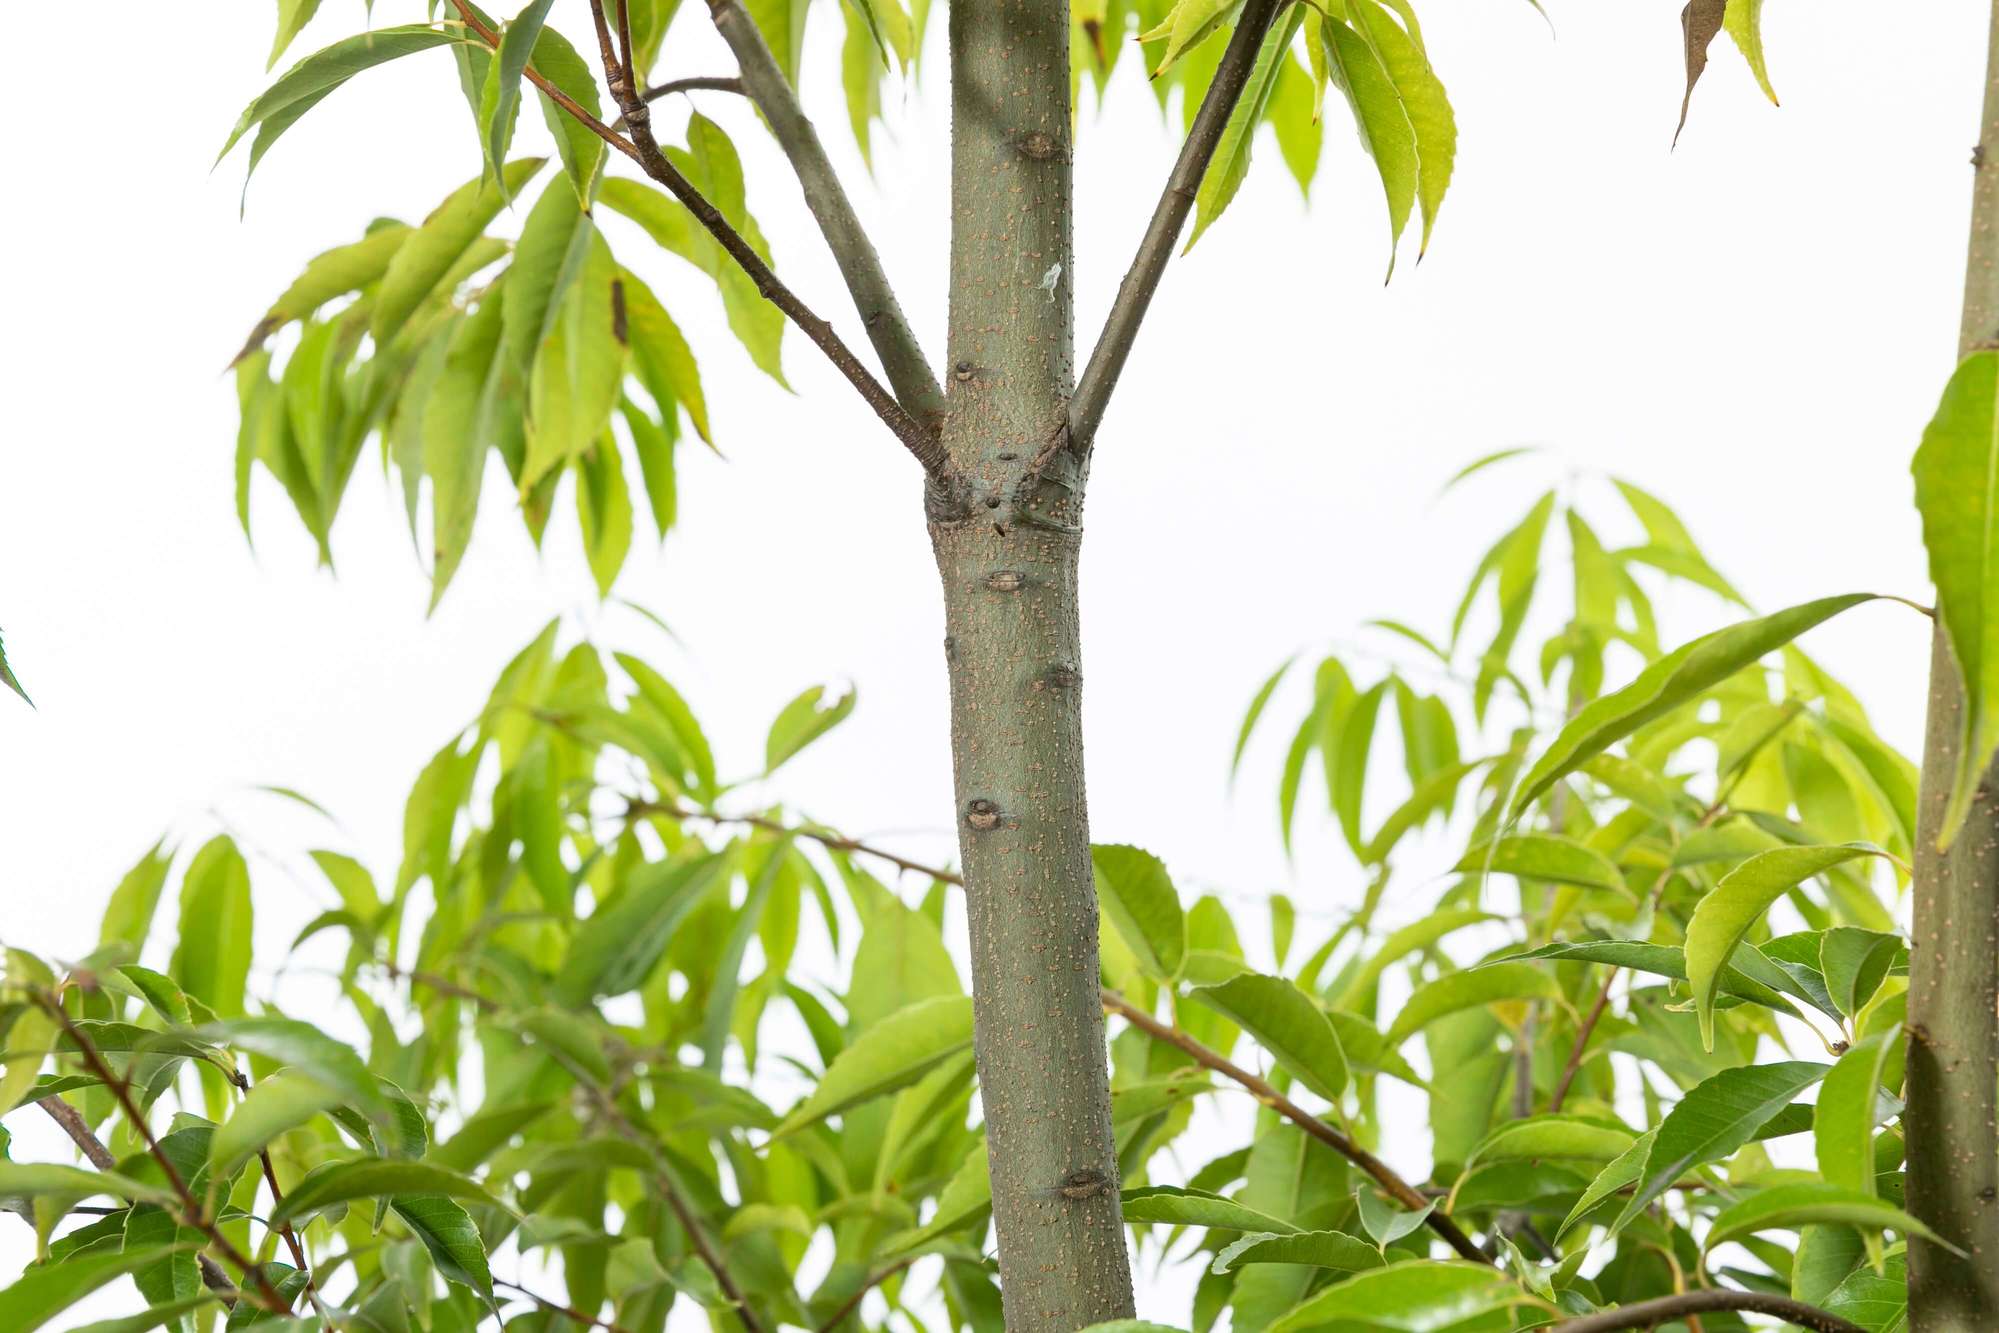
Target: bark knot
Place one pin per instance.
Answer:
(982, 815)
(1006, 580)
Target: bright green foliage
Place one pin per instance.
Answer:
(588, 986)
(7, 678)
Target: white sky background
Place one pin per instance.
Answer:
(1755, 327)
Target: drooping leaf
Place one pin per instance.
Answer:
(1699, 22)
(212, 958)
(894, 1053)
(804, 720)
(1417, 1296)
(372, 1178)
(449, 1235)
(1285, 1023)
(617, 947)
(1138, 895)
(1743, 21)
(1673, 680)
(1229, 166)
(307, 1051)
(277, 1104)
(1198, 1208)
(1954, 468)
(153, 1317)
(430, 254)
(1737, 903)
(1493, 984)
(1543, 856)
(1843, 1126)
(1317, 1249)
(46, 1290)
(1790, 1207)
(8, 679)
(503, 80)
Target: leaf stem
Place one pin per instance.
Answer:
(1710, 1300)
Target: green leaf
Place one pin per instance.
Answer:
(604, 508)
(1285, 1023)
(503, 80)
(1256, 707)
(282, 1102)
(1186, 26)
(804, 720)
(422, 263)
(1491, 984)
(1954, 469)
(1385, 1222)
(1673, 680)
(292, 16)
(308, 1052)
(1317, 1249)
(47, 1290)
(582, 152)
(1553, 1138)
(1663, 960)
(302, 86)
(616, 948)
(128, 917)
(1379, 114)
(1620, 1173)
(374, 1178)
(892, 1054)
(1229, 166)
(147, 1320)
(1855, 962)
(1138, 895)
(34, 1180)
(7, 678)
(1789, 1207)
(964, 1199)
(1843, 1124)
(1198, 1208)
(1409, 939)
(1743, 21)
(1878, 1302)
(212, 958)
(1432, 123)
(662, 698)
(448, 1233)
(459, 426)
(1419, 1296)
(1737, 903)
(1545, 857)
(579, 372)
(1714, 1119)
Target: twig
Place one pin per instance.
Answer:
(643, 149)
(557, 1307)
(1574, 1063)
(831, 841)
(193, 1214)
(1647, 1314)
(1100, 375)
(764, 83)
(607, 1108)
(284, 1228)
(853, 1302)
(1382, 1173)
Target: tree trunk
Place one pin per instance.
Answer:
(1952, 1116)
(1007, 539)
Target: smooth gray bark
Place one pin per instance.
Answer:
(1952, 1116)
(1007, 534)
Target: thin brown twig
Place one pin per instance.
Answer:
(643, 149)
(284, 1228)
(831, 841)
(557, 1307)
(1106, 363)
(1383, 1174)
(101, 1157)
(1690, 1304)
(192, 1213)
(853, 1302)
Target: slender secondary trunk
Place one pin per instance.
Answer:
(1952, 1117)
(1007, 536)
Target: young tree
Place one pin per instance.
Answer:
(534, 365)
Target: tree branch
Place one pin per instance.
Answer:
(1382, 1173)
(643, 149)
(1100, 375)
(765, 85)
(830, 841)
(192, 1213)
(557, 1307)
(1649, 1314)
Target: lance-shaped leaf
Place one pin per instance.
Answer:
(1432, 123)
(459, 425)
(1186, 25)
(36, 1180)
(153, 1316)
(1673, 680)
(1955, 494)
(1619, 1173)
(424, 260)
(1379, 115)
(307, 1051)
(302, 86)
(1714, 1119)
(1543, 856)
(1416, 935)
(892, 1054)
(282, 1102)
(1286, 1023)
(1315, 1249)
(802, 721)
(1855, 962)
(449, 1234)
(1663, 960)
(211, 960)
(1843, 1124)
(1229, 166)
(963, 1201)
(1417, 1296)
(1138, 895)
(617, 947)
(1743, 22)
(1198, 1208)
(375, 1178)
(1874, 1300)
(1386, 1222)
(1491, 984)
(1789, 1207)
(46, 1290)
(1553, 1138)
(501, 99)
(1738, 902)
